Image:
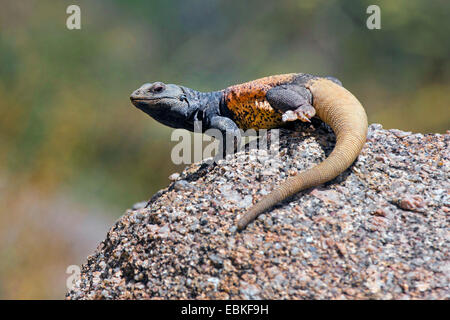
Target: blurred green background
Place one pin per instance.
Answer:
(74, 152)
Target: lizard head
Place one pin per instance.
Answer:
(166, 103)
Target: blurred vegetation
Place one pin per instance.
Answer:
(68, 133)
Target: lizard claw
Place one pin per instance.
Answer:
(302, 113)
(289, 116)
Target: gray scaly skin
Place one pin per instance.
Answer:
(266, 103)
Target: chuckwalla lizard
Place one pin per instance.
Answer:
(266, 103)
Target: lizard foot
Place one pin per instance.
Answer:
(302, 113)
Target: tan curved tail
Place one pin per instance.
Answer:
(338, 108)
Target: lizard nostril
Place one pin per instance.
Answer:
(134, 94)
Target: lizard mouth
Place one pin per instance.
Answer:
(149, 100)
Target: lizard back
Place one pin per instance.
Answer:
(248, 104)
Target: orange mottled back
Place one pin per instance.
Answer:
(249, 106)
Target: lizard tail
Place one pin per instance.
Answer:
(338, 108)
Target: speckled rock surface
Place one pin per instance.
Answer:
(380, 230)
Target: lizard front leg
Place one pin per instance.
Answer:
(293, 101)
(231, 135)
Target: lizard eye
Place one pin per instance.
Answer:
(158, 87)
